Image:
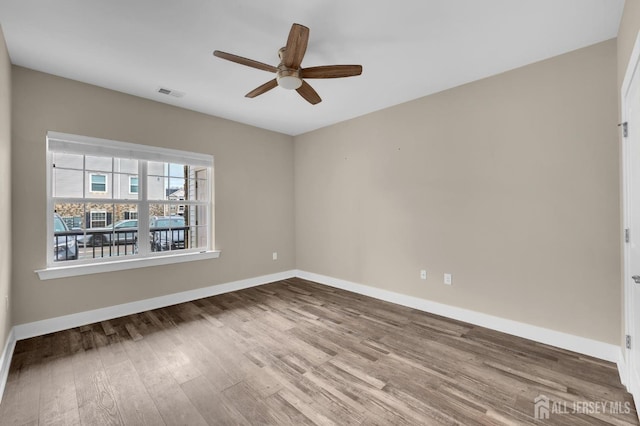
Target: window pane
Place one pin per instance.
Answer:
(125, 211)
(67, 183)
(196, 218)
(157, 210)
(72, 214)
(101, 164)
(69, 161)
(65, 240)
(125, 229)
(168, 232)
(177, 182)
(198, 237)
(196, 190)
(157, 188)
(125, 186)
(108, 233)
(176, 171)
(155, 168)
(125, 165)
(98, 225)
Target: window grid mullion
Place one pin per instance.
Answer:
(84, 176)
(144, 245)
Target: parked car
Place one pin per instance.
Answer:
(125, 231)
(65, 246)
(167, 233)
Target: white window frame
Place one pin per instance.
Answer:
(92, 212)
(106, 183)
(133, 213)
(83, 145)
(138, 185)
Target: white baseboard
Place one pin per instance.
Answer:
(5, 360)
(622, 368)
(547, 336)
(578, 344)
(631, 383)
(634, 390)
(51, 325)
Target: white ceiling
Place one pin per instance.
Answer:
(408, 48)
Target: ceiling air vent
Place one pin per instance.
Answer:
(170, 92)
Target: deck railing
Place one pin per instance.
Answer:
(84, 244)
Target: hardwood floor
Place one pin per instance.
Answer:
(295, 352)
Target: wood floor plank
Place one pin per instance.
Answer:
(133, 332)
(96, 403)
(172, 357)
(285, 413)
(306, 409)
(58, 399)
(111, 349)
(253, 408)
(20, 404)
(134, 403)
(174, 405)
(214, 406)
(295, 352)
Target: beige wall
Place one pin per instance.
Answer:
(509, 183)
(627, 34)
(5, 192)
(253, 197)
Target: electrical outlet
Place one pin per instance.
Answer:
(423, 274)
(447, 279)
(275, 255)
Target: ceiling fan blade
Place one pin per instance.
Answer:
(244, 61)
(296, 46)
(308, 93)
(262, 89)
(331, 71)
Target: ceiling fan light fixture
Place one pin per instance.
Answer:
(289, 82)
(289, 73)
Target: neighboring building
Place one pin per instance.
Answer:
(113, 179)
(177, 195)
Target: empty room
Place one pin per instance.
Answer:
(319, 212)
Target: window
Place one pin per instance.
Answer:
(98, 219)
(133, 184)
(126, 199)
(98, 183)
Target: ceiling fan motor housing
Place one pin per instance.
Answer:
(288, 78)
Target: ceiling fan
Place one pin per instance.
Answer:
(289, 74)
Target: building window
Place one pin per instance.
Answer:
(133, 184)
(98, 219)
(158, 202)
(98, 183)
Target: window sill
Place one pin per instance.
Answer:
(121, 265)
